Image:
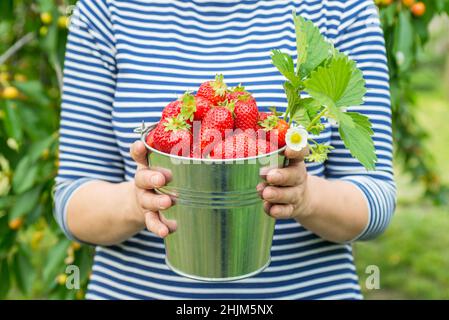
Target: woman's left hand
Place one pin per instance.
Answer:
(285, 191)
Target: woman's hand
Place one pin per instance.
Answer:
(148, 204)
(286, 191)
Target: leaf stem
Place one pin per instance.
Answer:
(316, 119)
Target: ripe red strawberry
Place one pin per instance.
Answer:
(171, 110)
(150, 138)
(202, 107)
(246, 113)
(236, 146)
(215, 123)
(275, 129)
(214, 91)
(172, 136)
(263, 147)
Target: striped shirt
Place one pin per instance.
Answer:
(126, 60)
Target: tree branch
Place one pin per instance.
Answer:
(16, 47)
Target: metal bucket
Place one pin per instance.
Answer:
(222, 232)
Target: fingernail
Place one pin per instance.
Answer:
(162, 204)
(269, 194)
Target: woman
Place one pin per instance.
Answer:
(126, 60)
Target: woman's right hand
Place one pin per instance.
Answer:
(149, 203)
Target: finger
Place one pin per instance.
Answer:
(285, 195)
(155, 225)
(139, 154)
(267, 206)
(279, 211)
(149, 179)
(260, 187)
(296, 156)
(170, 223)
(154, 202)
(293, 175)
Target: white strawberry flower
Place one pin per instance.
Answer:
(297, 138)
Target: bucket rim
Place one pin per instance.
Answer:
(144, 132)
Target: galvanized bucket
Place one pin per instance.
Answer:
(222, 232)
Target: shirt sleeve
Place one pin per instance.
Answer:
(88, 148)
(361, 37)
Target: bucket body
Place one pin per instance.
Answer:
(221, 232)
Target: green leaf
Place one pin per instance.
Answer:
(403, 41)
(308, 109)
(55, 263)
(13, 125)
(356, 133)
(34, 91)
(284, 63)
(338, 84)
(25, 203)
(24, 271)
(5, 278)
(24, 175)
(312, 48)
(293, 98)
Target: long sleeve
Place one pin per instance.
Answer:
(88, 148)
(362, 39)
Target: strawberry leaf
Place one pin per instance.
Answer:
(356, 133)
(284, 63)
(312, 48)
(339, 83)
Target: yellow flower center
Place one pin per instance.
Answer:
(296, 137)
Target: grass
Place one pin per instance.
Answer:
(413, 254)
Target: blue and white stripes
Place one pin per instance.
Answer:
(126, 60)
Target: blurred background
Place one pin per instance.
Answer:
(412, 255)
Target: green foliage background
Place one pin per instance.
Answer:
(34, 252)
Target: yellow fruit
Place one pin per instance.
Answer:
(45, 154)
(20, 77)
(46, 17)
(36, 239)
(63, 22)
(418, 9)
(79, 294)
(4, 76)
(387, 2)
(76, 246)
(408, 3)
(61, 279)
(10, 93)
(15, 224)
(43, 31)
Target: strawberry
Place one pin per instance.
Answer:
(214, 126)
(171, 110)
(245, 112)
(150, 138)
(237, 146)
(172, 135)
(263, 147)
(275, 129)
(202, 107)
(214, 91)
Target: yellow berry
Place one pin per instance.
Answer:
(4, 76)
(76, 246)
(46, 17)
(10, 93)
(45, 154)
(61, 279)
(408, 3)
(15, 224)
(20, 77)
(43, 31)
(63, 22)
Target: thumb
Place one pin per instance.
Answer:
(139, 154)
